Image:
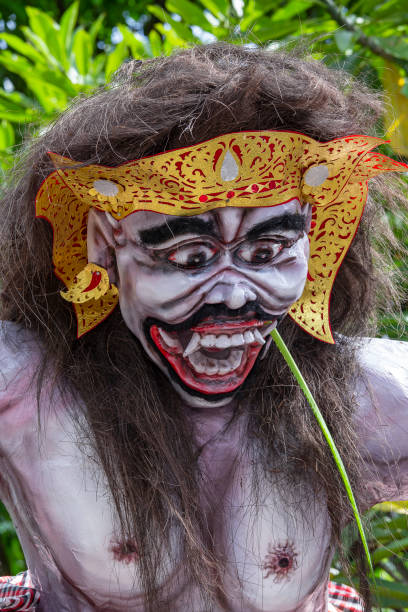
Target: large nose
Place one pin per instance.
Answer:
(232, 294)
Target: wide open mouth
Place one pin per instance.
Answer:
(213, 357)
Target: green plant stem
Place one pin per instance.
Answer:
(326, 432)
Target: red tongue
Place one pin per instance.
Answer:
(226, 326)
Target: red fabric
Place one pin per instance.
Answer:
(344, 598)
(18, 593)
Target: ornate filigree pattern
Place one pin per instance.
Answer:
(68, 217)
(189, 181)
(245, 169)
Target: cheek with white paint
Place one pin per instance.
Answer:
(279, 286)
(214, 354)
(212, 357)
(172, 295)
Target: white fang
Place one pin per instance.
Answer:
(192, 345)
(229, 168)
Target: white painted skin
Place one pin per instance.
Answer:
(151, 287)
(58, 496)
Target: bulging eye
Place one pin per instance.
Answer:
(193, 255)
(259, 252)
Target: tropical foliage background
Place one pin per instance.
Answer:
(56, 50)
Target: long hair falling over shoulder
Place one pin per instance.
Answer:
(136, 425)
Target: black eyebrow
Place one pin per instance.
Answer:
(176, 227)
(283, 222)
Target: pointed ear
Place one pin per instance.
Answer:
(101, 243)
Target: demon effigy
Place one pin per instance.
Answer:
(156, 451)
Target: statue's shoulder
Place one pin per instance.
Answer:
(19, 359)
(382, 405)
(384, 366)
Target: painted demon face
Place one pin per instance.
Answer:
(201, 293)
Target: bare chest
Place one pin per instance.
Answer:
(275, 547)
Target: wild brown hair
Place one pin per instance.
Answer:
(136, 426)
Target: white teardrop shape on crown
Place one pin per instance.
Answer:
(229, 168)
(316, 175)
(106, 188)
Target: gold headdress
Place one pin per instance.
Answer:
(248, 169)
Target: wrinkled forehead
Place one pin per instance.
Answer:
(229, 223)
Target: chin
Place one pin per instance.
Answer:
(208, 363)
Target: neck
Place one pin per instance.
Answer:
(207, 422)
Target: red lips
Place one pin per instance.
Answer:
(203, 382)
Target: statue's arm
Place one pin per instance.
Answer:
(382, 419)
(18, 361)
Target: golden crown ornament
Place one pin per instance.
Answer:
(245, 169)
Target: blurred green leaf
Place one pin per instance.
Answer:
(7, 138)
(291, 9)
(182, 31)
(115, 59)
(191, 13)
(395, 45)
(391, 594)
(82, 51)
(137, 47)
(22, 47)
(155, 43)
(95, 30)
(68, 21)
(344, 39)
(49, 32)
(383, 552)
(219, 8)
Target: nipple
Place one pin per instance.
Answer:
(280, 561)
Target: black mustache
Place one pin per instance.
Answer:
(216, 311)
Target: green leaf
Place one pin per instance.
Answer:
(42, 47)
(17, 64)
(38, 21)
(95, 29)
(22, 47)
(292, 9)
(51, 98)
(395, 45)
(171, 40)
(97, 69)
(266, 30)
(67, 24)
(344, 39)
(190, 13)
(393, 547)
(155, 43)
(254, 9)
(41, 74)
(82, 51)
(182, 31)
(49, 32)
(219, 8)
(391, 594)
(15, 100)
(138, 46)
(7, 137)
(115, 59)
(17, 117)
